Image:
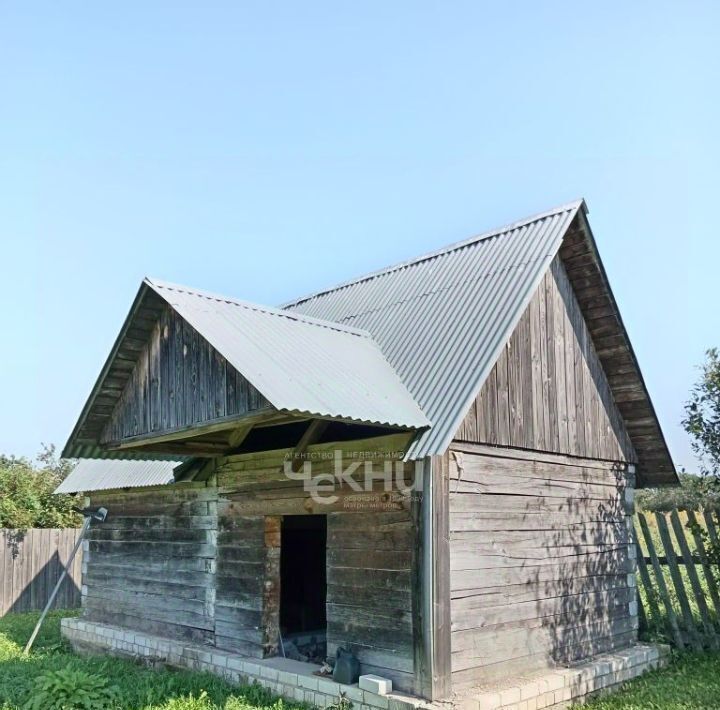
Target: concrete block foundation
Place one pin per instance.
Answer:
(564, 687)
(295, 680)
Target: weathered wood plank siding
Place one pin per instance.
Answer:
(179, 380)
(548, 391)
(151, 564)
(240, 579)
(369, 602)
(371, 558)
(31, 562)
(541, 560)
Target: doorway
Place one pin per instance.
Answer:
(303, 586)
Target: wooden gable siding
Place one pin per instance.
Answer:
(179, 380)
(548, 391)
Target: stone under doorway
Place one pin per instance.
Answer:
(303, 587)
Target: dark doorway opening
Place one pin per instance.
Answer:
(303, 586)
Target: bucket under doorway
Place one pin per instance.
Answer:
(303, 587)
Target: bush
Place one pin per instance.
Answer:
(27, 499)
(68, 689)
(693, 493)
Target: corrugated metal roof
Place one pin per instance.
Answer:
(300, 364)
(103, 474)
(94, 451)
(425, 314)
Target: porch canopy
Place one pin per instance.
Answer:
(193, 374)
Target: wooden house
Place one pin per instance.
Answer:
(432, 466)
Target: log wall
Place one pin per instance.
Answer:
(541, 560)
(151, 565)
(369, 602)
(200, 561)
(371, 560)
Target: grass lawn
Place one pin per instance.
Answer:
(139, 688)
(691, 682)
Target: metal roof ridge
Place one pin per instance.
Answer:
(159, 285)
(573, 205)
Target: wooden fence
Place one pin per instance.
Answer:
(31, 562)
(679, 577)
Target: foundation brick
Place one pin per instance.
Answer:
(552, 689)
(489, 701)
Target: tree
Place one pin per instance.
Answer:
(702, 416)
(27, 499)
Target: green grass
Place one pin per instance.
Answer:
(691, 682)
(140, 688)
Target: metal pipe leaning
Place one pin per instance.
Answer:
(89, 514)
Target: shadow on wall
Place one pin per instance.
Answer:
(591, 609)
(31, 562)
(586, 607)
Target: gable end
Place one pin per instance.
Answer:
(515, 407)
(179, 380)
(548, 391)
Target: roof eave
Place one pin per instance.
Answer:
(137, 303)
(645, 477)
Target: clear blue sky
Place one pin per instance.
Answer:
(266, 149)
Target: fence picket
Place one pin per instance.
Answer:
(676, 576)
(662, 587)
(642, 616)
(694, 579)
(705, 563)
(712, 530)
(647, 585)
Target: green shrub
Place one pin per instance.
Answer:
(68, 689)
(694, 493)
(27, 499)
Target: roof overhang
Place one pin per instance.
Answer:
(589, 280)
(106, 474)
(303, 368)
